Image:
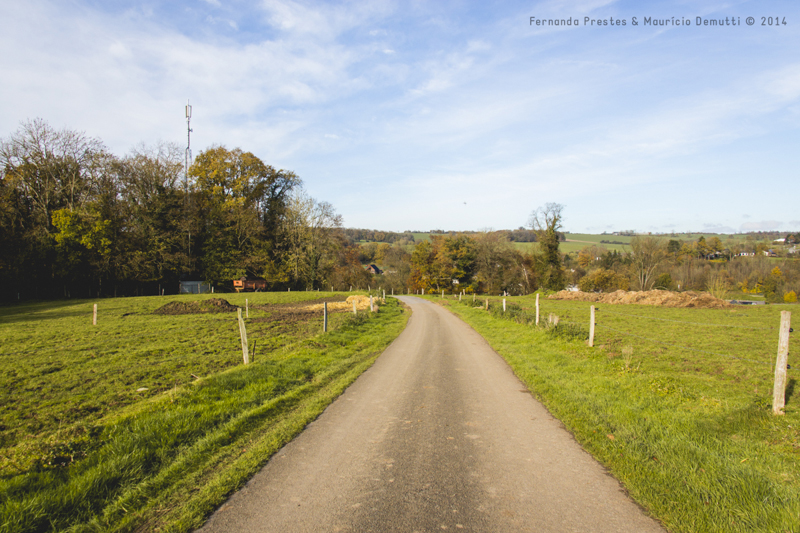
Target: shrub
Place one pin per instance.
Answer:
(790, 297)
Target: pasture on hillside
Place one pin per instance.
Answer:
(149, 420)
(675, 402)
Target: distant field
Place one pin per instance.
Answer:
(577, 241)
(675, 402)
(148, 421)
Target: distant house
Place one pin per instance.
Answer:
(770, 253)
(373, 269)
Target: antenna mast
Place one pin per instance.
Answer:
(188, 146)
(186, 200)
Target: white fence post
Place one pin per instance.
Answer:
(94, 315)
(591, 327)
(537, 308)
(243, 335)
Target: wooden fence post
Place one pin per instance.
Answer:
(487, 304)
(384, 294)
(243, 335)
(94, 315)
(591, 327)
(779, 392)
(355, 311)
(504, 305)
(537, 308)
(324, 317)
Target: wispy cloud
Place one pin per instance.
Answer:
(420, 102)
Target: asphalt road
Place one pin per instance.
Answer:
(437, 435)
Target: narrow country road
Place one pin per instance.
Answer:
(437, 435)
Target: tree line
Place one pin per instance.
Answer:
(77, 220)
(721, 268)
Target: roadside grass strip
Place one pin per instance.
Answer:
(166, 461)
(676, 403)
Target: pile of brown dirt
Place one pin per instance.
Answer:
(362, 304)
(701, 300)
(212, 305)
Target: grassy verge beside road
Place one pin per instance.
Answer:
(675, 402)
(85, 448)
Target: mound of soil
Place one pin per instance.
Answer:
(212, 305)
(362, 304)
(701, 300)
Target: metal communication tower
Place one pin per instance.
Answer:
(188, 147)
(186, 199)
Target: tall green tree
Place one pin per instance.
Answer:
(159, 218)
(546, 221)
(45, 171)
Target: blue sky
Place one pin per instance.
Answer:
(442, 115)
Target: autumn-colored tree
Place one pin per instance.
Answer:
(242, 203)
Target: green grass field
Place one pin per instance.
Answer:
(577, 241)
(148, 421)
(675, 402)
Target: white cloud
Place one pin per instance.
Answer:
(761, 225)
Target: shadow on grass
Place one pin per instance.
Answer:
(45, 310)
(790, 389)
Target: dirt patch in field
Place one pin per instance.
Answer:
(362, 304)
(212, 305)
(699, 300)
(335, 304)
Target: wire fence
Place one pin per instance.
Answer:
(614, 326)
